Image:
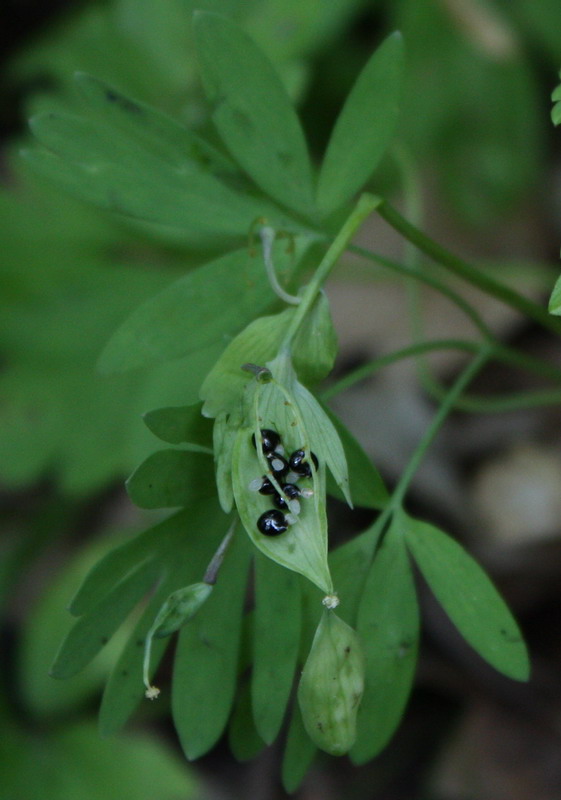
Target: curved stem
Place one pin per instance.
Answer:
(267, 236)
(366, 370)
(516, 401)
(434, 283)
(466, 271)
(506, 354)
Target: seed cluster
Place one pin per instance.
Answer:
(286, 472)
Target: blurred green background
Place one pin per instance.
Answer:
(475, 123)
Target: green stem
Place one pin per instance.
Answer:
(364, 207)
(465, 377)
(429, 436)
(366, 370)
(511, 402)
(434, 283)
(466, 271)
(506, 354)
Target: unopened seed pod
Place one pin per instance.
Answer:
(179, 608)
(331, 685)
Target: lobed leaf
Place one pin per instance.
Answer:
(130, 158)
(555, 299)
(299, 753)
(469, 598)
(365, 482)
(186, 317)
(183, 544)
(158, 134)
(313, 351)
(276, 643)
(116, 565)
(388, 626)
(324, 438)
(93, 630)
(243, 738)
(180, 425)
(205, 667)
(252, 112)
(171, 479)
(364, 127)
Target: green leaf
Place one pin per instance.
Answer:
(183, 546)
(319, 430)
(205, 668)
(364, 127)
(313, 353)
(388, 626)
(253, 112)
(179, 425)
(93, 630)
(243, 738)
(46, 625)
(366, 485)
(130, 158)
(146, 127)
(315, 345)
(555, 299)
(224, 435)
(113, 568)
(276, 644)
(70, 761)
(258, 343)
(469, 598)
(556, 110)
(204, 307)
(171, 479)
(299, 753)
(349, 566)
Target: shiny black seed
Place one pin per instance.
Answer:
(300, 466)
(272, 523)
(270, 440)
(267, 487)
(290, 490)
(278, 464)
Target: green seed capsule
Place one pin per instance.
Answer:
(331, 685)
(180, 606)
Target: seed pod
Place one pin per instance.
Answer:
(179, 608)
(331, 685)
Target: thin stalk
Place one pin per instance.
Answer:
(364, 207)
(464, 379)
(429, 280)
(215, 563)
(429, 436)
(506, 354)
(516, 401)
(366, 370)
(466, 271)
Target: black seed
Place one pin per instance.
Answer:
(278, 464)
(291, 491)
(267, 487)
(272, 522)
(269, 440)
(300, 466)
(280, 502)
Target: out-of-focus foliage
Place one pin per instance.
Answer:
(70, 275)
